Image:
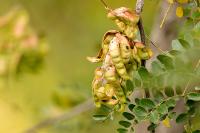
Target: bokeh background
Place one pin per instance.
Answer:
(73, 30)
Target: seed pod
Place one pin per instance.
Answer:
(126, 19)
(120, 94)
(125, 49)
(114, 51)
(96, 84)
(131, 31)
(135, 56)
(143, 54)
(110, 74)
(109, 92)
(120, 24)
(150, 52)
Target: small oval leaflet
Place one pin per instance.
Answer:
(128, 115)
(125, 124)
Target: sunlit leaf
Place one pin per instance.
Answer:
(154, 117)
(194, 96)
(162, 109)
(170, 103)
(166, 61)
(140, 112)
(144, 74)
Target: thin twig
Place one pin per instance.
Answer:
(105, 5)
(77, 110)
(188, 83)
(163, 21)
(142, 33)
(138, 10)
(155, 45)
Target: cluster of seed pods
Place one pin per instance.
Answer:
(121, 55)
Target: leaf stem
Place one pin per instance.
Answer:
(188, 83)
(163, 21)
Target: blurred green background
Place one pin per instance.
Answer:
(74, 29)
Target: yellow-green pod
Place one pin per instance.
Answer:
(136, 57)
(114, 52)
(108, 36)
(150, 52)
(125, 48)
(110, 74)
(100, 93)
(143, 54)
(96, 84)
(109, 90)
(131, 31)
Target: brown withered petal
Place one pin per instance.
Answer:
(124, 14)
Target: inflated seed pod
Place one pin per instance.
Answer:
(125, 49)
(116, 97)
(126, 19)
(150, 52)
(110, 74)
(143, 54)
(114, 51)
(121, 97)
(120, 24)
(131, 31)
(106, 94)
(96, 84)
(135, 56)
